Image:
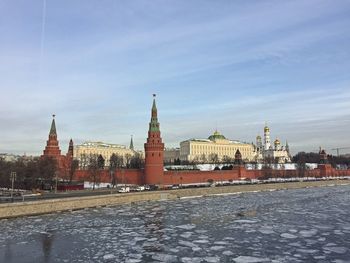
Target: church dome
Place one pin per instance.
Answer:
(277, 141)
(266, 129)
(258, 137)
(216, 136)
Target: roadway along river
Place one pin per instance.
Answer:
(304, 225)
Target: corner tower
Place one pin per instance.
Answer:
(52, 148)
(154, 150)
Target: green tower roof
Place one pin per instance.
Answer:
(154, 124)
(131, 147)
(53, 126)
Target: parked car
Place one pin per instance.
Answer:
(140, 188)
(124, 190)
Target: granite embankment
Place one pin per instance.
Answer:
(68, 204)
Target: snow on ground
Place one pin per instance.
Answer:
(210, 167)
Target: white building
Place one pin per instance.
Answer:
(277, 152)
(83, 151)
(216, 146)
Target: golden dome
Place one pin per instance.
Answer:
(277, 141)
(266, 129)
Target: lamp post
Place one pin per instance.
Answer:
(13, 178)
(56, 179)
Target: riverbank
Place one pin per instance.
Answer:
(69, 204)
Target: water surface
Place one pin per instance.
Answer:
(304, 225)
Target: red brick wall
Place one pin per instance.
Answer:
(190, 177)
(136, 176)
(124, 176)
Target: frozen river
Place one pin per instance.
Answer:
(305, 225)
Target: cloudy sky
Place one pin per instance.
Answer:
(231, 65)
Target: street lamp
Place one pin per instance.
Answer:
(12, 178)
(56, 179)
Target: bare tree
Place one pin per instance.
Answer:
(73, 167)
(127, 160)
(203, 158)
(116, 161)
(101, 162)
(227, 160)
(136, 161)
(213, 158)
(93, 170)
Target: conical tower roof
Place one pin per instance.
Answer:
(131, 144)
(154, 124)
(154, 106)
(53, 126)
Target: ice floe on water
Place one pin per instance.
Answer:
(308, 233)
(288, 235)
(187, 227)
(249, 259)
(279, 226)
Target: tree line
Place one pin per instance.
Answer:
(311, 157)
(33, 173)
(95, 166)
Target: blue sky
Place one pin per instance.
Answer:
(228, 64)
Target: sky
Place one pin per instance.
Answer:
(230, 65)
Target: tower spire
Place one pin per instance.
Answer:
(53, 126)
(154, 124)
(131, 144)
(154, 107)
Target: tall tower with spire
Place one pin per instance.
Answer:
(52, 148)
(267, 141)
(70, 149)
(154, 150)
(131, 147)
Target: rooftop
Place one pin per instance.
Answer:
(101, 144)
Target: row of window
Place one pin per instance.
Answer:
(148, 154)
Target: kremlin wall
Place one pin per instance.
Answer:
(154, 173)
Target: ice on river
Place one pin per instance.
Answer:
(303, 225)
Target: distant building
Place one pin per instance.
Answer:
(171, 155)
(9, 157)
(276, 152)
(83, 151)
(216, 146)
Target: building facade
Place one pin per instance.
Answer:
(215, 147)
(84, 151)
(171, 155)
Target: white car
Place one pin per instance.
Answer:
(124, 190)
(140, 188)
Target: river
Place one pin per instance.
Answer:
(303, 225)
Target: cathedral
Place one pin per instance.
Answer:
(276, 152)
